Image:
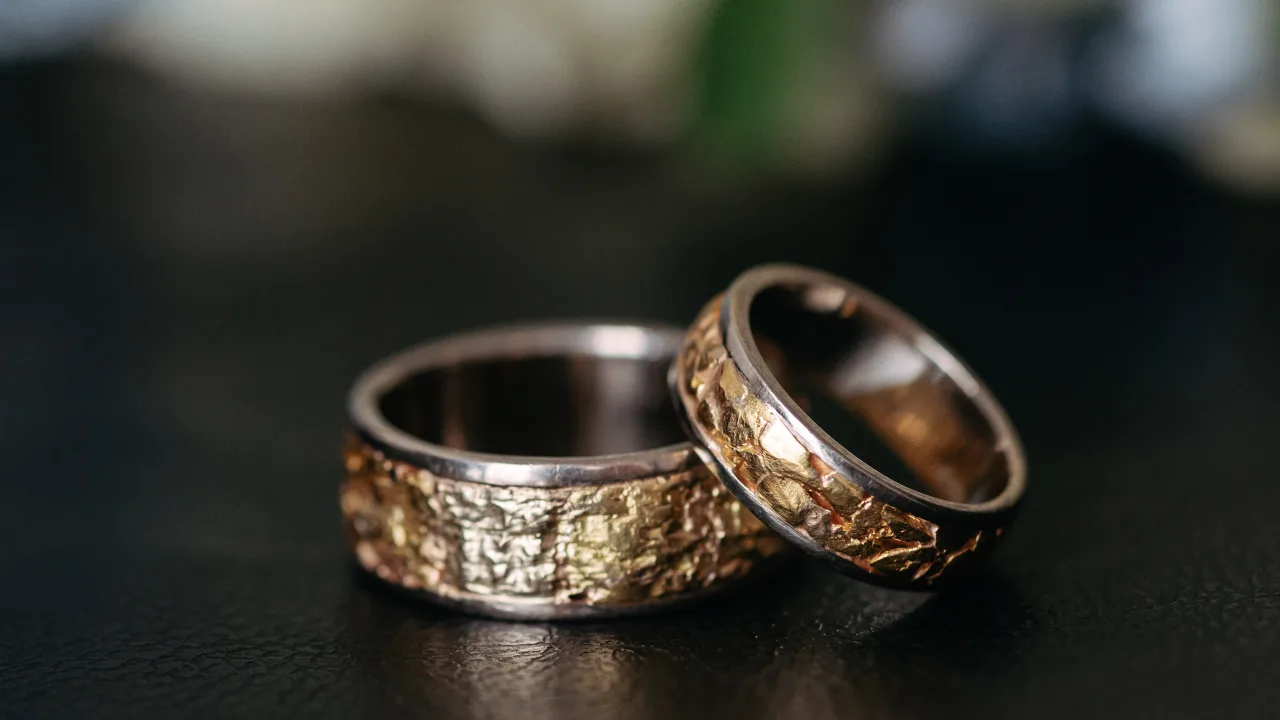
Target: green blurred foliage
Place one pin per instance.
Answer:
(754, 58)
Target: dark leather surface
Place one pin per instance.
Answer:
(189, 284)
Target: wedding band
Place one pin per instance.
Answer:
(783, 338)
(539, 472)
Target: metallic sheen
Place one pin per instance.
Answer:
(619, 533)
(811, 489)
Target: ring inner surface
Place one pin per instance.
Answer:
(558, 406)
(856, 372)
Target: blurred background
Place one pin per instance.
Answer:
(778, 87)
(214, 213)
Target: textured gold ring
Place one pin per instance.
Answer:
(539, 472)
(785, 344)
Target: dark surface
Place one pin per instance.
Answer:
(189, 285)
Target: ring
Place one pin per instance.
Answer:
(782, 339)
(539, 472)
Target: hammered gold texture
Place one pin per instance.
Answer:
(612, 544)
(751, 440)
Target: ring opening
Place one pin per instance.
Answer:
(568, 405)
(857, 370)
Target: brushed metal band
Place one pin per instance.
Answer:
(828, 334)
(433, 506)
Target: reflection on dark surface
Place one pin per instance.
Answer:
(796, 635)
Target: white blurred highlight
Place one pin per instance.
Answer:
(533, 69)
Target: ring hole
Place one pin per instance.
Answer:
(851, 431)
(855, 369)
(560, 406)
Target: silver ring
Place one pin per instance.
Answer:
(539, 472)
(831, 339)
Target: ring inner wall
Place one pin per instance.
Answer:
(558, 406)
(865, 383)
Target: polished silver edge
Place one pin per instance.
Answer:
(540, 340)
(505, 607)
(742, 350)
